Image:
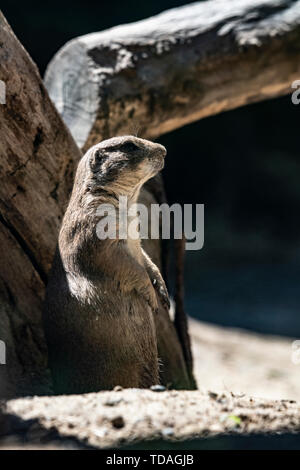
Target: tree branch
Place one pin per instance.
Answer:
(180, 66)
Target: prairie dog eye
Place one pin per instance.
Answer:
(98, 155)
(128, 147)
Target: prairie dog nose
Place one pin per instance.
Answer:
(161, 149)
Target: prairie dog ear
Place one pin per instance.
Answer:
(96, 158)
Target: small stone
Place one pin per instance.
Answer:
(158, 388)
(113, 401)
(100, 432)
(118, 422)
(118, 388)
(167, 432)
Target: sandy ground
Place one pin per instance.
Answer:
(113, 419)
(238, 361)
(239, 375)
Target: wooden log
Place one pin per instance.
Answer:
(38, 158)
(161, 73)
(176, 370)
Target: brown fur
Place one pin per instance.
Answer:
(100, 298)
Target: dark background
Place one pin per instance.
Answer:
(243, 165)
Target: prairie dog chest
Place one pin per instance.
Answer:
(134, 249)
(133, 242)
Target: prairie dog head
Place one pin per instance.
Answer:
(124, 164)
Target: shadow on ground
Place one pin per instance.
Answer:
(226, 442)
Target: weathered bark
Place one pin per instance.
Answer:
(180, 320)
(38, 159)
(156, 75)
(176, 369)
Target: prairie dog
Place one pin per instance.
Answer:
(101, 295)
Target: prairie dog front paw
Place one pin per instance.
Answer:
(149, 295)
(161, 289)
